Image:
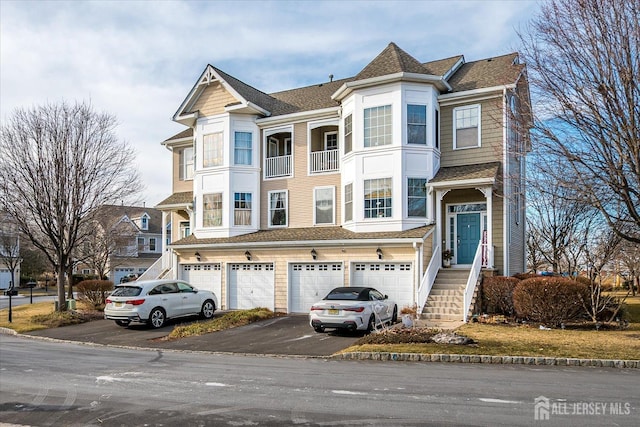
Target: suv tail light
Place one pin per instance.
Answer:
(135, 301)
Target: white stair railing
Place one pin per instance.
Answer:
(428, 279)
(156, 269)
(470, 288)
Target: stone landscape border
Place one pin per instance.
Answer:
(497, 360)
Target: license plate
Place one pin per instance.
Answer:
(334, 311)
(117, 304)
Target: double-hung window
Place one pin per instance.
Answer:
(466, 123)
(348, 129)
(348, 202)
(416, 124)
(417, 197)
(377, 198)
(212, 210)
(242, 209)
(140, 244)
(377, 126)
(278, 203)
(152, 244)
(242, 148)
(212, 150)
(186, 164)
(324, 205)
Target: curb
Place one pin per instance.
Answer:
(496, 360)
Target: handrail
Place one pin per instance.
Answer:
(428, 279)
(155, 270)
(474, 273)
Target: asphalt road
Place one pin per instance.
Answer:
(61, 384)
(287, 335)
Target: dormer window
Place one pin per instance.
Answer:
(144, 222)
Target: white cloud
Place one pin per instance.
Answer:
(139, 59)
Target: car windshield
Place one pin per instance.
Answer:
(127, 291)
(346, 294)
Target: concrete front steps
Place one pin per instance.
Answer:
(446, 299)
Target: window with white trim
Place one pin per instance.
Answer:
(324, 198)
(185, 164)
(278, 204)
(212, 210)
(417, 124)
(212, 150)
(348, 202)
(152, 244)
(466, 127)
(330, 141)
(377, 126)
(242, 209)
(417, 197)
(243, 148)
(377, 198)
(185, 229)
(140, 244)
(348, 129)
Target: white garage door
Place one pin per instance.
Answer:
(203, 276)
(392, 279)
(309, 283)
(119, 273)
(5, 278)
(251, 285)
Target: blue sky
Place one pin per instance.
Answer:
(139, 59)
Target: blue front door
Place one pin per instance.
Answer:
(468, 226)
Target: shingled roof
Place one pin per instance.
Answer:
(181, 198)
(306, 234)
(466, 172)
(108, 215)
(490, 72)
(390, 61)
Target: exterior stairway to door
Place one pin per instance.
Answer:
(446, 299)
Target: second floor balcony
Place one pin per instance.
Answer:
(323, 161)
(278, 166)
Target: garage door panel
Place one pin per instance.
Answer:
(203, 276)
(251, 286)
(310, 282)
(392, 279)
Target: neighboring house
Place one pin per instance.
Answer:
(9, 252)
(277, 198)
(127, 241)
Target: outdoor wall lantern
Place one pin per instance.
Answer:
(314, 254)
(198, 257)
(379, 252)
(248, 255)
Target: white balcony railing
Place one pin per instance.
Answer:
(278, 166)
(324, 161)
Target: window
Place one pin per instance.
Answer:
(186, 164)
(212, 210)
(242, 209)
(185, 229)
(324, 201)
(377, 198)
(437, 126)
(377, 126)
(466, 127)
(348, 202)
(416, 124)
(152, 244)
(348, 128)
(278, 208)
(417, 197)
(243, 148)
(212, 150)
(140, 244)
(144, 222)
(331, 140)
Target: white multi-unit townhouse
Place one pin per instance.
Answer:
(279, 197)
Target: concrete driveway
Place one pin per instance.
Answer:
(287, 335)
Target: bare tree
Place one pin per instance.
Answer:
(9, 247)
(583, 59)
(630, 259)
(60, 163)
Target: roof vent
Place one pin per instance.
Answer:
(330, 77)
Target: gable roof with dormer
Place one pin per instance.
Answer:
(111, 215)
(451, 75)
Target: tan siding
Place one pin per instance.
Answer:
(213, 100)
(491, 142)
(300, 187)
(178, 185)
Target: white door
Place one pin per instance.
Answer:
(392, 279)
(310, 282)
(203, 276)
(251, 285)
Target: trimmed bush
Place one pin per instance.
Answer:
(497, 295)
(523, 276)
(94, 292)
(550, 300)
